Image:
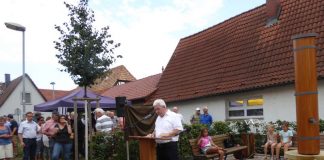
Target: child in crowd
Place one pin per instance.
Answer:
(207, 145)
(285, 139)
(271, 141)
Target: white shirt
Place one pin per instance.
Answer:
(104, 124)
(180, 116)
(285, 135)
(167, 124)
(28, 129)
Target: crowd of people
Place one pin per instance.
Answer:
(50, 138)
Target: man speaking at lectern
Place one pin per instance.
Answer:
(167, 126)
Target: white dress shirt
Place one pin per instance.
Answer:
(28, 129)
(167, 124)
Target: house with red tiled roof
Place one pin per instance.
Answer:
(136, 91)
(50, 94)
(115, 76)
(243, 68)
(11, 96)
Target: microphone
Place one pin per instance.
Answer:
(148, 116)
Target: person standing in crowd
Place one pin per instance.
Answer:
(62, 140)
(49, 129)
(206, 118)
(27, 133)
(36, 116)
(195, 118)
(167, 126)
(103, 123)
(5, 142)
(113, 118)
(176, 110)
(45, 139)
(39, 140)
(14, 133)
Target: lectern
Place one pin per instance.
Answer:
(147, 146)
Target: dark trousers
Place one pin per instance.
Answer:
(30, 148)
(167, 151)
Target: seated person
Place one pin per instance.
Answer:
(207, 145)
(271, 141)
(285, 139)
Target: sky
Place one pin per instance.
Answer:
(148, 30)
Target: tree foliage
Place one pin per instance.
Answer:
(85, 52)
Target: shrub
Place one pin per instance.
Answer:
(112, 146)
(321, 125)
(221, 127)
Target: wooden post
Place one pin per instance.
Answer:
(306, 94)
(75, 127)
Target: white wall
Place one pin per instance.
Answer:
(14, 100)
(279, 103)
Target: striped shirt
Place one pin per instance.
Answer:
(104, 124)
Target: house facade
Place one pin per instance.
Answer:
(278, 104)
(243, 68)
(11, 97)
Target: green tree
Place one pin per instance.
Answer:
(85, 52)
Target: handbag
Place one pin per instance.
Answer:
(228, 143)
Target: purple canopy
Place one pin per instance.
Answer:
(67, 101)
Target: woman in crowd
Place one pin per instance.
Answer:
(62, 141)
(6, 151)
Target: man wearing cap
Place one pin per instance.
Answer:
(14, 132)
(49, 129)
(167, 127)
(195, 118)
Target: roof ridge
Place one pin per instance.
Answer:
(220, 23)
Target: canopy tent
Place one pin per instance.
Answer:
(67, 101)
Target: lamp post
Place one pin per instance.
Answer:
(53, 94)
(18, 27)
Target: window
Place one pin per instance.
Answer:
(27, 98)
(245, 108)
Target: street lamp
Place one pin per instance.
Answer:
(18, 27)
(53, 94)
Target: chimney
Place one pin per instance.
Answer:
(7, 79)
(273, 9)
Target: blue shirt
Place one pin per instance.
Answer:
(5, 141)
(206, 119)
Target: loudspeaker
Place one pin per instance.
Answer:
(120, 106)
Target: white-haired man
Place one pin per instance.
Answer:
(167, 125)
(103, 123)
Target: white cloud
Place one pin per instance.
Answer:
(148, 32)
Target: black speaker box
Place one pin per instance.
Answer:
(120, 106)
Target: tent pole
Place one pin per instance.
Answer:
(75, 127)
(86, 129)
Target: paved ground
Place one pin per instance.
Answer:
(255, 157)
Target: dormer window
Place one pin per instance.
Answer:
(273, 8)
(120, 82)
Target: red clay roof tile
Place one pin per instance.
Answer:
(241, 53)
(48, 94)
(136, 89)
